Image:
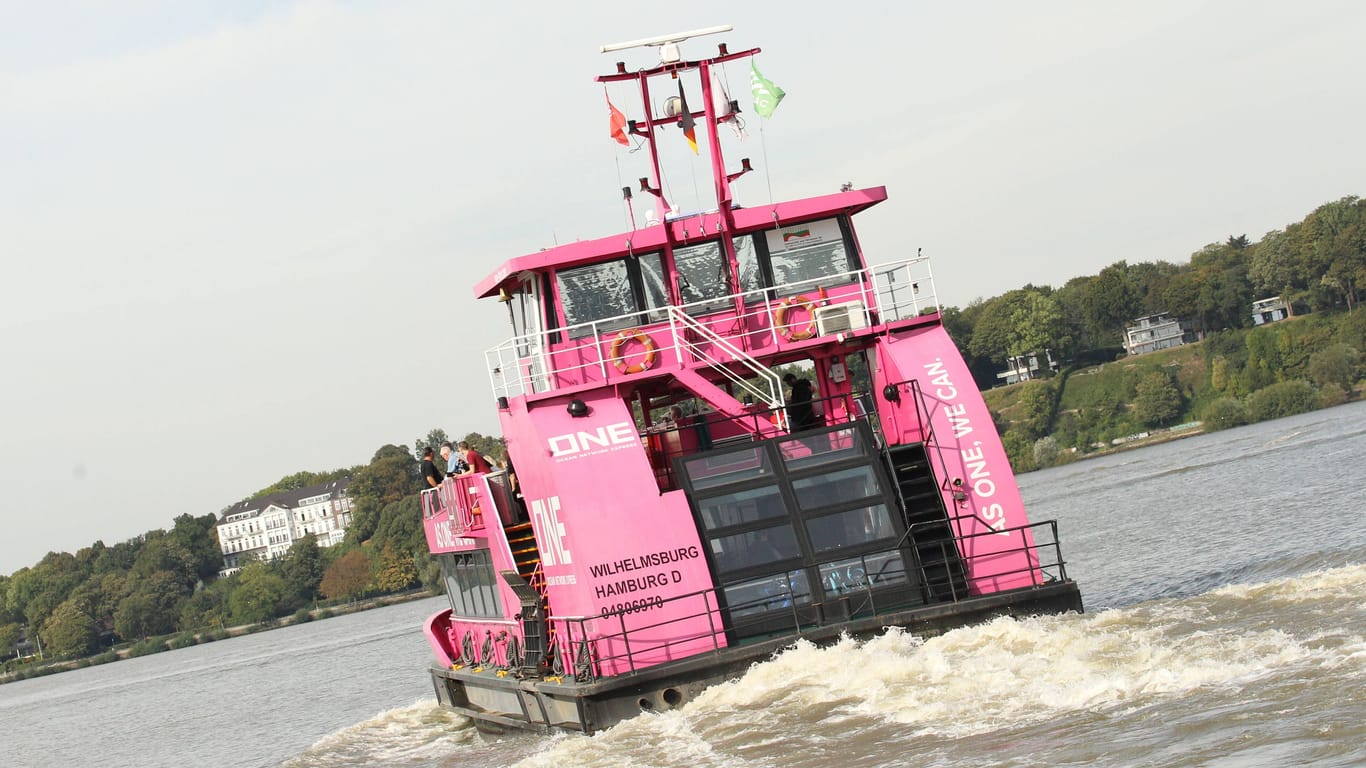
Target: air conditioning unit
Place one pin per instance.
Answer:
(840, 318)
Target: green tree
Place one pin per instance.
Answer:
(347, 578)
(1110, 301)
(1224, 413)
(163, 552)
(400, 525)
(1158, 400)
(108, 590)
(303, 567)
(435, 437)
(1020, 322)
(70, 631)
(487, 446)
(9, 635)
(1335, 365)
(390, 475)
(118, 558)
(207, 608)
(259, 596)
(1046, 451)
(1035, 409)
(1286, 398)
(152, 608)
(396, 570)
(198, 536)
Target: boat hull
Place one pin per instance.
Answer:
(495, 699)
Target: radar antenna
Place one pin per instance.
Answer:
(667, 44)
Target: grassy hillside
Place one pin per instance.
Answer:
(1229, 378)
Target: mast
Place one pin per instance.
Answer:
(673, 65)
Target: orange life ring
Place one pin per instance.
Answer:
(619, 360)
(780, 318)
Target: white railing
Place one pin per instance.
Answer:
(527, 364)
(772, 395)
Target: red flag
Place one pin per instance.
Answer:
(685, 120)
(616, 121)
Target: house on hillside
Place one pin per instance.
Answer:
(1154, 332)
(267, 527)
(1025, 367)
(1269, 310)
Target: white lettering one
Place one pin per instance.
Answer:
(619, 434)
(545, 518)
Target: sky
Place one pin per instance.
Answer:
(239, 240)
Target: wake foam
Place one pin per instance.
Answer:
(1002, 674)
(419, 734)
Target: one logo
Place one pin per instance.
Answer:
(609, 437)
(795, 234)
(545, 517)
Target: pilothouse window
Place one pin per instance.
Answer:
(614, 294)
(808, 255)
(703, 274)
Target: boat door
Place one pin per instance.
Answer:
(526, 307)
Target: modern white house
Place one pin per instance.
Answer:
(1154, 332)
(1269, 310)
(265, 528)
(1025, 367)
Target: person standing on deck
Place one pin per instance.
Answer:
(454, 464)
(800, 414)
(476, 462)
(430, 474)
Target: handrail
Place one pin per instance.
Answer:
(774, 395)
(461, 497)
(507, 367)
(573, 635)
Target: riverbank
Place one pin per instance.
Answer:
(164, 643)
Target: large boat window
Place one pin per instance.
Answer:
(703, 273)
(809, 255)
(755, 548)
(615, 294)
(860, 573)
(815, 450)
(769, 593)
(839, 487)
(739, 507)
(850, 528)
(747, 258)
(711, 470)
(471, 584)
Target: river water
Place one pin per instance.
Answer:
(1225, 583)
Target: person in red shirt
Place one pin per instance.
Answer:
(472, 458)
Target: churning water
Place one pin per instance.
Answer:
(1224, 575)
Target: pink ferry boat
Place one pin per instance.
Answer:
(677, 512)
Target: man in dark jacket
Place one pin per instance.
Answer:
(800, 414)
(430, 474)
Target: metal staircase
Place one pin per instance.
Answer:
(927, 524)
(703, 345)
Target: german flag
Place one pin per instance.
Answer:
(685, 120)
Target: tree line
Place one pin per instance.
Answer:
(1239, 372)
(1316, 264)
(165, 582)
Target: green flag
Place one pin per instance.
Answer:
(767, 96)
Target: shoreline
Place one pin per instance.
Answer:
(203, 637)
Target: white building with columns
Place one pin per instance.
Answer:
(265, 528)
